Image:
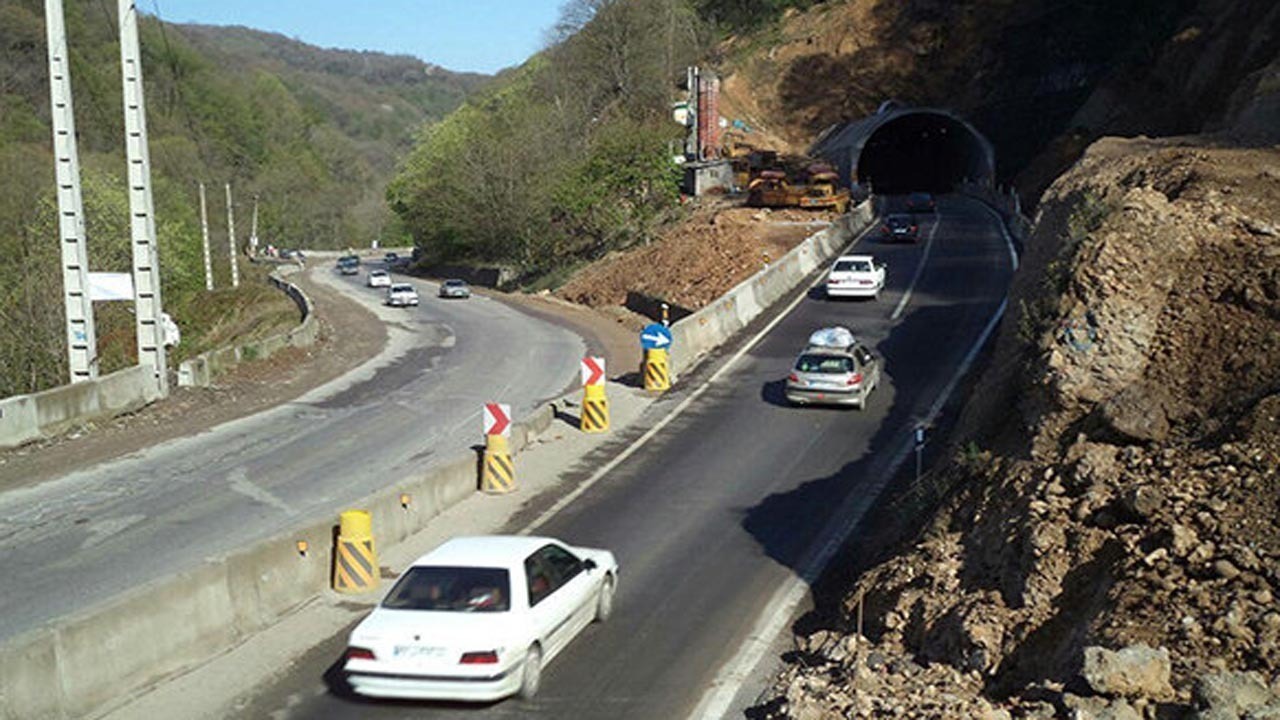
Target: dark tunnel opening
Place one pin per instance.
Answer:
(926, 151)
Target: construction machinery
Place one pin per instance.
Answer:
(772, 188)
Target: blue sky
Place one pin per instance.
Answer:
(474, 35)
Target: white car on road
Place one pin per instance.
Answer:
(379, 278)
(477, 618)
(855, 276)
(402, 295)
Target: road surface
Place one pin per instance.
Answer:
(71, 542)
(716, 513)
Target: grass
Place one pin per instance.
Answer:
(228, 317)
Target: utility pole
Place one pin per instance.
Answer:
(204, 234)
(253, 232)
(82, 341)
(146, 257)
(231, 239)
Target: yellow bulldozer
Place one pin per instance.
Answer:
(771, 188)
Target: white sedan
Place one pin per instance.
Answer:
(477, 618)
(855, 276)
(379, 278)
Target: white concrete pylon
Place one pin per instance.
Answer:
(204, 236)
(82, 341)
(148, 308)
(231, 239)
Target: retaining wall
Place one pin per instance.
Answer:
(24, 418)
(200, 370)
(706, 329)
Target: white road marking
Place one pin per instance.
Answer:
(717, 702)
(924, 258)
(239, 482)
(631, 449)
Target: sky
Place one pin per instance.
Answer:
(462, 35)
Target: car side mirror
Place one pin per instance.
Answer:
(589, 564)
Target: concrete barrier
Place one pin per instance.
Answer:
(696, 335)
(87, 664)
(200, 370)
(24, 418)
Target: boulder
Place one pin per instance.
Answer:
(1137, 671)
(1231, 694)
(1135, 414)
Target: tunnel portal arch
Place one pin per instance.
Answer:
(901, 149)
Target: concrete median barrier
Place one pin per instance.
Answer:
(696, 335)
(24, 418)
(87, 664)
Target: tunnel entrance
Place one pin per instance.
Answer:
(921, 151)
(900, 150)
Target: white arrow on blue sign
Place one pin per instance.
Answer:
(655, 337)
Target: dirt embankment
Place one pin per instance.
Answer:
(1132, 497)
(696, 261)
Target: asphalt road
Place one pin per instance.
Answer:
(719, 510)
(71, 542)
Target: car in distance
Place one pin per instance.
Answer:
(900, 226)
(921, 202)
(455, 288)
(349, 265)
(402, 295)
(391, 258)
(855, 276)
(478, 618)
(839, 372)
(378, 278)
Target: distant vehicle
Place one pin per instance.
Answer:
(900, 226)
(391, 258)
(455, 288)
(771, 188)
(855, 276)
(843, 372)
(477, 618)
(402, 295)
(349, 265)
(921, 202)
(379, 278)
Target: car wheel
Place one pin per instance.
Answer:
(531, 675)
(604, 602)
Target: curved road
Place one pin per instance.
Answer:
(726, 506)
(71, 542)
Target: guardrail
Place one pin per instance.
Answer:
(200, 370)
(89, 663)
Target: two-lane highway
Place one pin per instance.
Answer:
(724, 507)
(72, 542)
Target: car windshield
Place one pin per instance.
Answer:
(454, 283)
(824, 364)
(378, 273)
(852, 266)
(453, 589)
(401, 288)
(921, 197)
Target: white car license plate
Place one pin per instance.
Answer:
(417, 651)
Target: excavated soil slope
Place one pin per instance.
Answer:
(1130, 500)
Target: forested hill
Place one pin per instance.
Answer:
(314, 133)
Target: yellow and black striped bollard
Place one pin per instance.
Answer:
(499, 473)
(356, 562)
(657, 374)
(595, 409)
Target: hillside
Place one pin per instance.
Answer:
(313, 133)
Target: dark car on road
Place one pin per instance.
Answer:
(900, 226)
(921, 202)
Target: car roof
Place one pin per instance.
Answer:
(377, 272)
(865, 258)
(402, 286)
(484, 551)
(455, 281)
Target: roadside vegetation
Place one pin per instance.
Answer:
(313, 133)
(570, 156)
